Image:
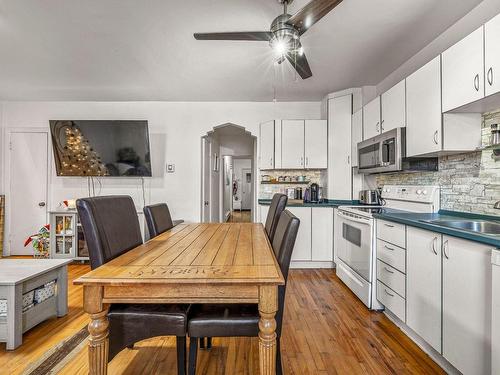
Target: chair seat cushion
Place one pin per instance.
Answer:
(223, 320)
(149, 319)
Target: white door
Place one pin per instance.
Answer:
(339, 135)
(463, 71)
(423, 285)
(302, 248)
(394, 107)
(371, 119)
(492, 55)
(316, 144)
(356, 135)
(206, 181)
(467, 305)
(292, 144)
(423, 110)
(28, 188)
(267, 145)
(246, 189)
(322, 234)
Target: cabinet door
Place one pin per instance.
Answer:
(316, 144)
(492, 55)
(322, 234)
(292, 144)
(339, 135)
(423, 110)
(267, 145)
(467, 305)
(463, 71)
(371, 119)
(302, 248)
(394, 108)
(263, 213)
(356, 135)
(423, 285)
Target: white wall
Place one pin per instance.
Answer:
(175, 132)
(485, 11)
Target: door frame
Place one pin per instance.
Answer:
(205, 144)
(7, 177)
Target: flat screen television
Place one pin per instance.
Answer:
(101, 148)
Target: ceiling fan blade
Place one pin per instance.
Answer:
(244, 35)
(312, 13)
(300, 64)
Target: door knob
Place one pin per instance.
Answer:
(41, 204)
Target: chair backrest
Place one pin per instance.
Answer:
(158, 219)
(278, 204)
(283, 244)
(110, 226)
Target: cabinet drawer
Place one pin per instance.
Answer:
(392, 232)
(393, 255)
(391, 300)
(392, 278)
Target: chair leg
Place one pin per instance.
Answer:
(181, 355)
(209, 343)
(279, 369)
(193, 353)
(202, 343)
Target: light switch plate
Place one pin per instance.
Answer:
(170, 168)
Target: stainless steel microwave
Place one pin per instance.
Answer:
(383, 153)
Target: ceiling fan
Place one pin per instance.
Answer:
(285, 32)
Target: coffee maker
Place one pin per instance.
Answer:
(314, 197)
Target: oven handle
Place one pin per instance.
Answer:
(355, 219)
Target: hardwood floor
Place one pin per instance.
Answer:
(240, 217)
(327, 330)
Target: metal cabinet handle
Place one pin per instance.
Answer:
(445, 247)
(389, 225)
(389, 294)
(490, 76)
(382, 126)
(271, 161)
(302, 161)
(348, 159)
(41, 204)
(434, 241)
(378, 126)
(388, 248)
(388, 270)
(476, 82)
(307, 160)
(435, 137)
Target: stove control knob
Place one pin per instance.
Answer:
(419, 192)
(424, 192)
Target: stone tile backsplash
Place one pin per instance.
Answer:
(469, 182)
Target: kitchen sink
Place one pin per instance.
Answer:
(477, 226)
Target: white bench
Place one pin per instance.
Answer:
(18, 276)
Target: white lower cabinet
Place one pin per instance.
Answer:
(302, 248)
(423, 298)
(467, 305)
(322, 234)
(263, 213)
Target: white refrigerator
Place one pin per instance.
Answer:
(495, 316)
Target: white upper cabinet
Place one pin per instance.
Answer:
(292, 144)
(423, 285)
(371, 119)
(467, 305)
(356, 135)
(267, 145)
(463, 71)
(492, 55)
(394, 108)
(423, 110)
(316, 144)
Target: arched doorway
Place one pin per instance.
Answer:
(228, 174)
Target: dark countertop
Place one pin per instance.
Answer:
(414, 219)
(324, 203)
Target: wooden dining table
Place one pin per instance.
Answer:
(190, 263)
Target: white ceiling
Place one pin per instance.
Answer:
(113, 50)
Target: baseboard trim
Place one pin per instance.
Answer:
(311, 264)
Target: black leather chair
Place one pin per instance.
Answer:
(111, 228)
(234, 320)
(278, 204)
(158, 219)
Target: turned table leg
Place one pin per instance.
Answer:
(268, 305)
(98, 329)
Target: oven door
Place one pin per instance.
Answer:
(356, 238)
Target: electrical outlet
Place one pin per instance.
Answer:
(170, 168)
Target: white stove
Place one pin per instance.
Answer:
(355, 237)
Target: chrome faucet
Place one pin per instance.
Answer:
(497, 205)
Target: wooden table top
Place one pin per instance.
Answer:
(207, 253)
